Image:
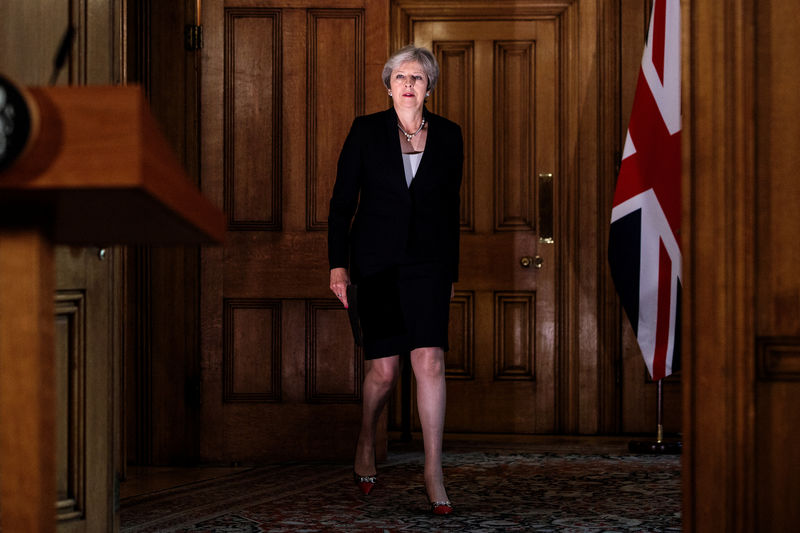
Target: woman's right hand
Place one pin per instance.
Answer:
(340, 279)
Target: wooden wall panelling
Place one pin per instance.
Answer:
(611, 128)
(778, 358)
(772, 75)
(720, 239)
(776, 464)
(579, 227)
(138, 359)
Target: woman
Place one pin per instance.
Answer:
(399, 173)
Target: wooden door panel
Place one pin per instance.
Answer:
(286, 264)
(498, 82)
(251, 352)
(70, 324)
(515, 331)
(280, 364)
(336, 95)
(454, 98)
(252, 129)
(331, 379)
(513, 128)
(84, 304)
(460, 359)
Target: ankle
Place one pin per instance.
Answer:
(364, 462)
(436, 492)
(436, 476)
(365, 448)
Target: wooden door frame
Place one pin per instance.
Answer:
(160, 281)
(587, 313)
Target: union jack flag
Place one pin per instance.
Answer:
(644, 249)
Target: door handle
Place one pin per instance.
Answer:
(527, 262)
(546, 208)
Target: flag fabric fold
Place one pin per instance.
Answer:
(644, 246)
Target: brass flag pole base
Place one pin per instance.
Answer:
(658, 446)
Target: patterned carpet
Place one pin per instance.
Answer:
(502, 491)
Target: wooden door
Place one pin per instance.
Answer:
(281, 376)
(499, 81)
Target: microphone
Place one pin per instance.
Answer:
(18, 123)
(63, 52)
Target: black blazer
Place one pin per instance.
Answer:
(395, 223)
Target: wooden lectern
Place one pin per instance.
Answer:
(96, 171)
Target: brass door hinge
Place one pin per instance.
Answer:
(193, 36)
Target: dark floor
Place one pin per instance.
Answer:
(498, 484)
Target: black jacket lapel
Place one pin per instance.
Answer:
(430, 147)
(394, 155)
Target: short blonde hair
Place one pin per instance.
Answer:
(421, 55)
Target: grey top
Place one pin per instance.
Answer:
(410, 165)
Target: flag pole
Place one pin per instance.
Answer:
(659, 446)
(660, 412)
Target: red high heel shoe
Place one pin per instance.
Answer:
(441, 508)
(365, 483)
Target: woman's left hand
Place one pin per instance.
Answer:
(339, 282)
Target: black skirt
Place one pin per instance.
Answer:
(404, 308)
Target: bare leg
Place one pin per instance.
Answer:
(428, 364)
(378, 384)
